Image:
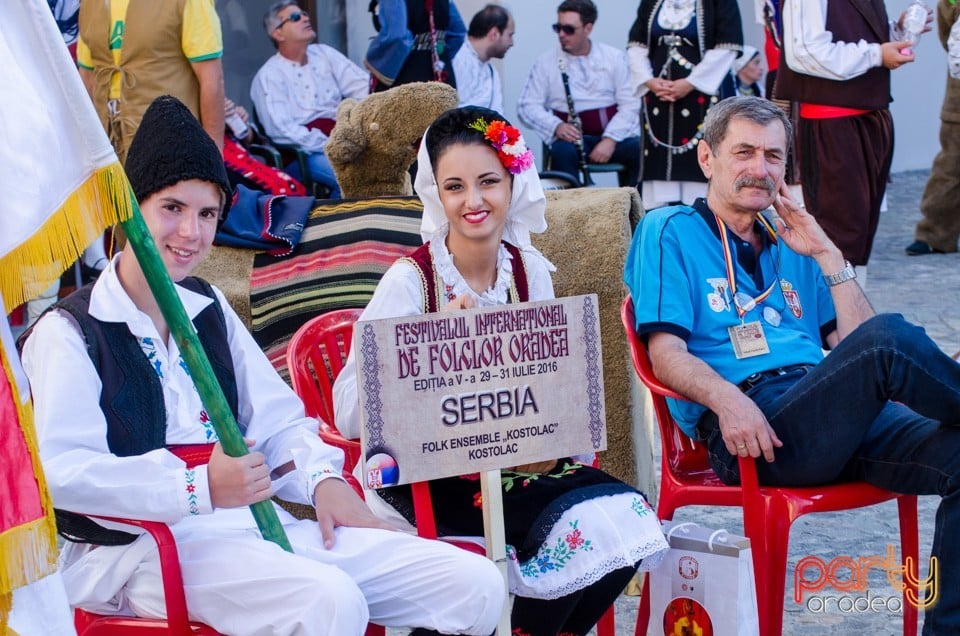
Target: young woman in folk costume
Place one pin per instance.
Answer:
(577, 534)
(680, 54)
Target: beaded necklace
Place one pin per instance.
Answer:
(677, 57)
(673, 41)
(674, 150)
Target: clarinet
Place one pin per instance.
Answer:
(574, 119)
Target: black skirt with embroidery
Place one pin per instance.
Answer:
(532, 503)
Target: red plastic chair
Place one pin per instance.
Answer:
(315, 356)
(314, 348)
(176, 623)
(687, 479)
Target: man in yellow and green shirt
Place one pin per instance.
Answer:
(131, 51)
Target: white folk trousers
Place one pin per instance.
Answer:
(241, 585)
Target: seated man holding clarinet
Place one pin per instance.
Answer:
(577, 98)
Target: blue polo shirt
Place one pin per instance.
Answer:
(676, 274)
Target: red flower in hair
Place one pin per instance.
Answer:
(508, 142)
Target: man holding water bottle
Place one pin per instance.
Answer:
(836, 61)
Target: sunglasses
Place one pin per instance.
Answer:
(296, 16)
(568, 29)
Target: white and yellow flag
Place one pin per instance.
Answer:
(60, 186)
(59, 176)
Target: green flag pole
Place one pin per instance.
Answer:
(193, 354)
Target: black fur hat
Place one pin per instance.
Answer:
(171, 146)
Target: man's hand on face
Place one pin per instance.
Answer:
(800, 230)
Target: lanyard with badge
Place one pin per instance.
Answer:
(748, 338)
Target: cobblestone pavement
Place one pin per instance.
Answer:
(923, 289)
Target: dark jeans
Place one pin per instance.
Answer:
(884, 408)
(322, 171)
(563, 157)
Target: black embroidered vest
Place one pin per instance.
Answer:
(848, 21)
(132, 397)
(432, 285)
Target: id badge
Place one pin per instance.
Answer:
(748, 340)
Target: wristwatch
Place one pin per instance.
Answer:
(845, 274)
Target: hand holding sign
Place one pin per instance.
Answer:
(463, 301)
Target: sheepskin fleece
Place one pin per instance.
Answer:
(229, 268)
(588, 235)
(375, 140)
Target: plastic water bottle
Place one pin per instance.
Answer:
(237, 125)
(914, 21)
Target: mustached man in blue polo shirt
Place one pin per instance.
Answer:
(736, 304)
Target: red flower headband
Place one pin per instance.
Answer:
(508, 142)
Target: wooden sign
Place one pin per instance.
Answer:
(454, 393)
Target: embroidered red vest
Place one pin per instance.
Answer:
(434, 296)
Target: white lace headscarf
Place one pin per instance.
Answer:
(527, 211)
(746, 56)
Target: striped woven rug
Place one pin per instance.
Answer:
(345, 249)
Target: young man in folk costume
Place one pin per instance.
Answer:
(597, 91)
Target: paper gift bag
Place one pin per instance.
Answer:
(705, 585)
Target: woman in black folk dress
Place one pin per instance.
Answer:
(576, 534)
(680, 56)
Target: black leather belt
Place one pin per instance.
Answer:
(756, 378)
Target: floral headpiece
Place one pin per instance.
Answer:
(508, 142)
